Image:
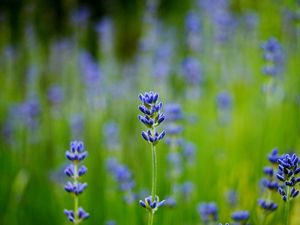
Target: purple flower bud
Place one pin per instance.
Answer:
(145, 136)
(69, 171)
(162, 135)
(82, 170)
(240, 216)
(69, 214)
(82, 214)
(142, 204)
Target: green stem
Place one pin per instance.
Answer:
(154, 179)
(76, 200)
(264, 218)
(287, 209)
(287, 206)
(150, 218)
(154, 172)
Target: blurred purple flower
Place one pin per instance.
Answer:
(55, 94)
(224, 100)
(192, 71)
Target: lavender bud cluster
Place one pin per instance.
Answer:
(208, 212)
(269, 183)
(287, 173)
(151, 205)
(240, 217)
(123, 176)
(152, 117)
(273, 55)
(76, 154)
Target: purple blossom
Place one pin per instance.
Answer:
(55, 94)
(273, 54)
(191, 69)
(208, 212)
(240, 216)
(224, 100)
(152, 117)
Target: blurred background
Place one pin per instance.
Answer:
(227, 73)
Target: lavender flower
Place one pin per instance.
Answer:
(111, 133)
(192, 71)
(110, 222)
(193, 31)
(224, 100)
(123, 177)
(77, 124)
(269, 184)
(208, 212)
(240, 216)
(170, 202)
(80, 16)
(221, 17)
(273, 156)
(162, 61)
(173, 116)
(232, 197)
(185, 189)
(268, 206)
(152, 117)
(273, 55)
(90, 69)
(76, 154)
(55, 94)
(151, 205)
(188, 151)
(287, 174)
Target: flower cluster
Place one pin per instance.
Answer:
(123, 176)
(152, 117)
(208, 212)
(287, 173)
(193, 31)
(192, 71)
(268, 206)
(173, 116)
(76, 154)
(240, 217)
(224, 105)
(151, 205)
(273, 54)
(269, 183)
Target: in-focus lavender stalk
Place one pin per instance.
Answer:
(76, 154)
(152, 118)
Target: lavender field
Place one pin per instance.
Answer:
(150, 112)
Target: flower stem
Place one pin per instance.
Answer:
(76, 200)
(154, 172)
(150, 218)
(287, 207)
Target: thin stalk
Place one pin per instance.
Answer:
(150, 218)
(154, 172)
(265, 215)
(154, 179)
(287, 207)
(76, 200)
